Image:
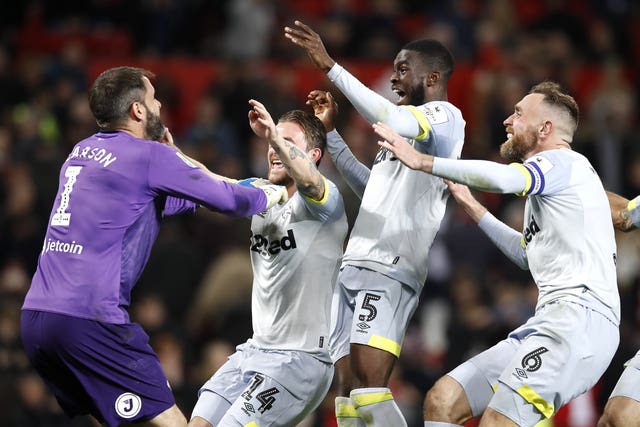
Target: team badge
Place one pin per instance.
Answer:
(128, 405)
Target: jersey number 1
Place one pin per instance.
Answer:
(62, 217)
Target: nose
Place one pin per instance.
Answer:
(394, 77)
(508, 121)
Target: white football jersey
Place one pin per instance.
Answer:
(568, 235)
(296, 250)
(401, 208)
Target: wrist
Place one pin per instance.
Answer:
(427, 163)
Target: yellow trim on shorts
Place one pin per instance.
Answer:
(370, 398)
(344, 410)
(536, 400)
(632, 204)
(325, 196)
(422, 122)
(527, 177)
(251, 424)
(376, 341)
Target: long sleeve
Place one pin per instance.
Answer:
(482, 175)
(355, 173)
(505, 238)
(374, 107)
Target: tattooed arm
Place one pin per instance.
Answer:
(299, 164)
(622, 212)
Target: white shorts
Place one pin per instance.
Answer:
(266, 387)
(560, 353)
(369, 308)
(629, 383)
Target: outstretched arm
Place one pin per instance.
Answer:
(623, 212)
(504, 237)
(299, 165)
(355, 173)
(479, 174)
(372, 106)
(167, 139)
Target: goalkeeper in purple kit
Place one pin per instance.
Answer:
(115, 187)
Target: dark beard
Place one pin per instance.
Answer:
(516, 148)
(416, 95)
(154, 130)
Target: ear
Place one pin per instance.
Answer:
(137, 111)
(315, 154)
(433, 78)
(546, 128)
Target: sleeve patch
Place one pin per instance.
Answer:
(185, 160)
(436, 114)
(543, 163)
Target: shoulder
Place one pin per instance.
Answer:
(331, 205)
(438, 112)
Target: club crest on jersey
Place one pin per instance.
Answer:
(267, 247)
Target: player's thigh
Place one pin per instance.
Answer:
(628, 384)
(383, 308)
(225, 386)
(107, 370)
(172, 417)
(479, 375)
(283, 399)
(342, 306)
(620, 412)
(565, 351)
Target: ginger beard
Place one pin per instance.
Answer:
(520, 145)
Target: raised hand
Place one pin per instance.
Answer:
(309, 40)
(401, 149)
(260, 120)
(324, 107)
(462, 194)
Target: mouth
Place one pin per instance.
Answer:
(509, 132)
(276, 164)
(402, 96)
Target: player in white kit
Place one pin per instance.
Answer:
(385, 264)
(568, 245)
(623, 407)
(284, 371)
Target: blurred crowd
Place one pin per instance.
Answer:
(194, 296)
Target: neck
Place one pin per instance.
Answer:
(133, 131)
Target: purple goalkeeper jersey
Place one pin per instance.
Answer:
(114, 190)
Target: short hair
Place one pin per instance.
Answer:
(312, 127)
(554, 96)
(113, 92)
(435, 55)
